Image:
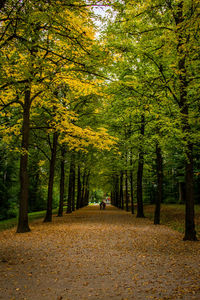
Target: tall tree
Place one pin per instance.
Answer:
(39, 53)
(164, 34)
(159, 195)
(48, 217)
(62, 181)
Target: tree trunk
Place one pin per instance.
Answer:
(86, 195)
(126, 190)
(70, 200)
(73, 183)
(83, 189)
(159, 194)
(62, 182)
(23, 199)
(182, 37)
(117, 190)
(131, 181)
(48, 217)
(111, 198)
(181, 192)
(78, 201)
(86, 199)
(190, 233)
(132, 203)
(140, 212)
(121, 193)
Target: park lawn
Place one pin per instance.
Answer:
(6, 224)
(173, 215)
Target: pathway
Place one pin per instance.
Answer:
(93, 254)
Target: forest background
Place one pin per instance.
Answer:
(87, 114)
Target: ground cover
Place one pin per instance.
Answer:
(173, 215)
(93, 254)
(6, 224)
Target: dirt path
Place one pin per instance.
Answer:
(95, 254)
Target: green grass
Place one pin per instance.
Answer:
(6, 224)
(173, 215)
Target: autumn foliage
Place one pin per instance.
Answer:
(99, 97)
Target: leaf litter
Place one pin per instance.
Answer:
(93, 254)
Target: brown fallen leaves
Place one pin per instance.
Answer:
(95, 254)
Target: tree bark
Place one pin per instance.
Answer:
(116, 190)
(140, 212)
(78, 201)
(190, 233)
(182, 192)
(86, 198)
(131, 182)
(48, 217)
(112, 197)
(73, 182)
(121, 192)
(83, 189)
(159, 194)
(126, 190)
(62, 182)
(23, 198)
(70, 201)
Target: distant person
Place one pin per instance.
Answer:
(102, 205)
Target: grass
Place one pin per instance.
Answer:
(6, 224)
(173, 215)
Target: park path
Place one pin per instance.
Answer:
(93, 254)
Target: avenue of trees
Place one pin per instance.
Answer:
(117, 111)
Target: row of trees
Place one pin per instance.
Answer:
(49, 93)
(154, 99)
(59, 86)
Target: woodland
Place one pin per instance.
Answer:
(99, 98)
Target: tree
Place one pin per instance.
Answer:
(164, 34)
(48, 217)
(159, 195)
(55, 46)
(62, 181)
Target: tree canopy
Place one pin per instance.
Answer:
(85, 109)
